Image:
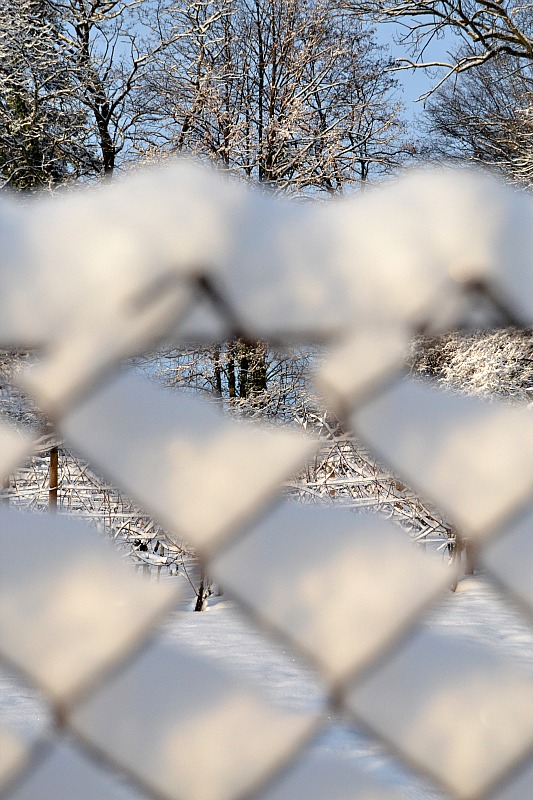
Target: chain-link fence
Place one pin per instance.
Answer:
(90, 280)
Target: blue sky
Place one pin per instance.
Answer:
(415, 82)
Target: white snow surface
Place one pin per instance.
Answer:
(476, 611)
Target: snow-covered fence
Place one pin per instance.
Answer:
(94, 277)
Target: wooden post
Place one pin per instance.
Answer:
(52, 484)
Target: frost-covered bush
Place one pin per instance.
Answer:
(494, 364)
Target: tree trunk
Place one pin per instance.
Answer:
(232, 383)
(202, 593)
(218, 371)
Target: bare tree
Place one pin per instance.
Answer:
(486, 118)
(44, 139)
(69, 71)
(112, 43)
(255, 379)
(293, 94)
(484, 30)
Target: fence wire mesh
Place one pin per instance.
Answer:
(314, 530)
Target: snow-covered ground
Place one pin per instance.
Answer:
(475, 611)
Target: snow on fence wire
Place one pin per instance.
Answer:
(93, 277)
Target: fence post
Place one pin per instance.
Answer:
(53, 481)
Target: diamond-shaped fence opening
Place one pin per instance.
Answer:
(336, 564)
